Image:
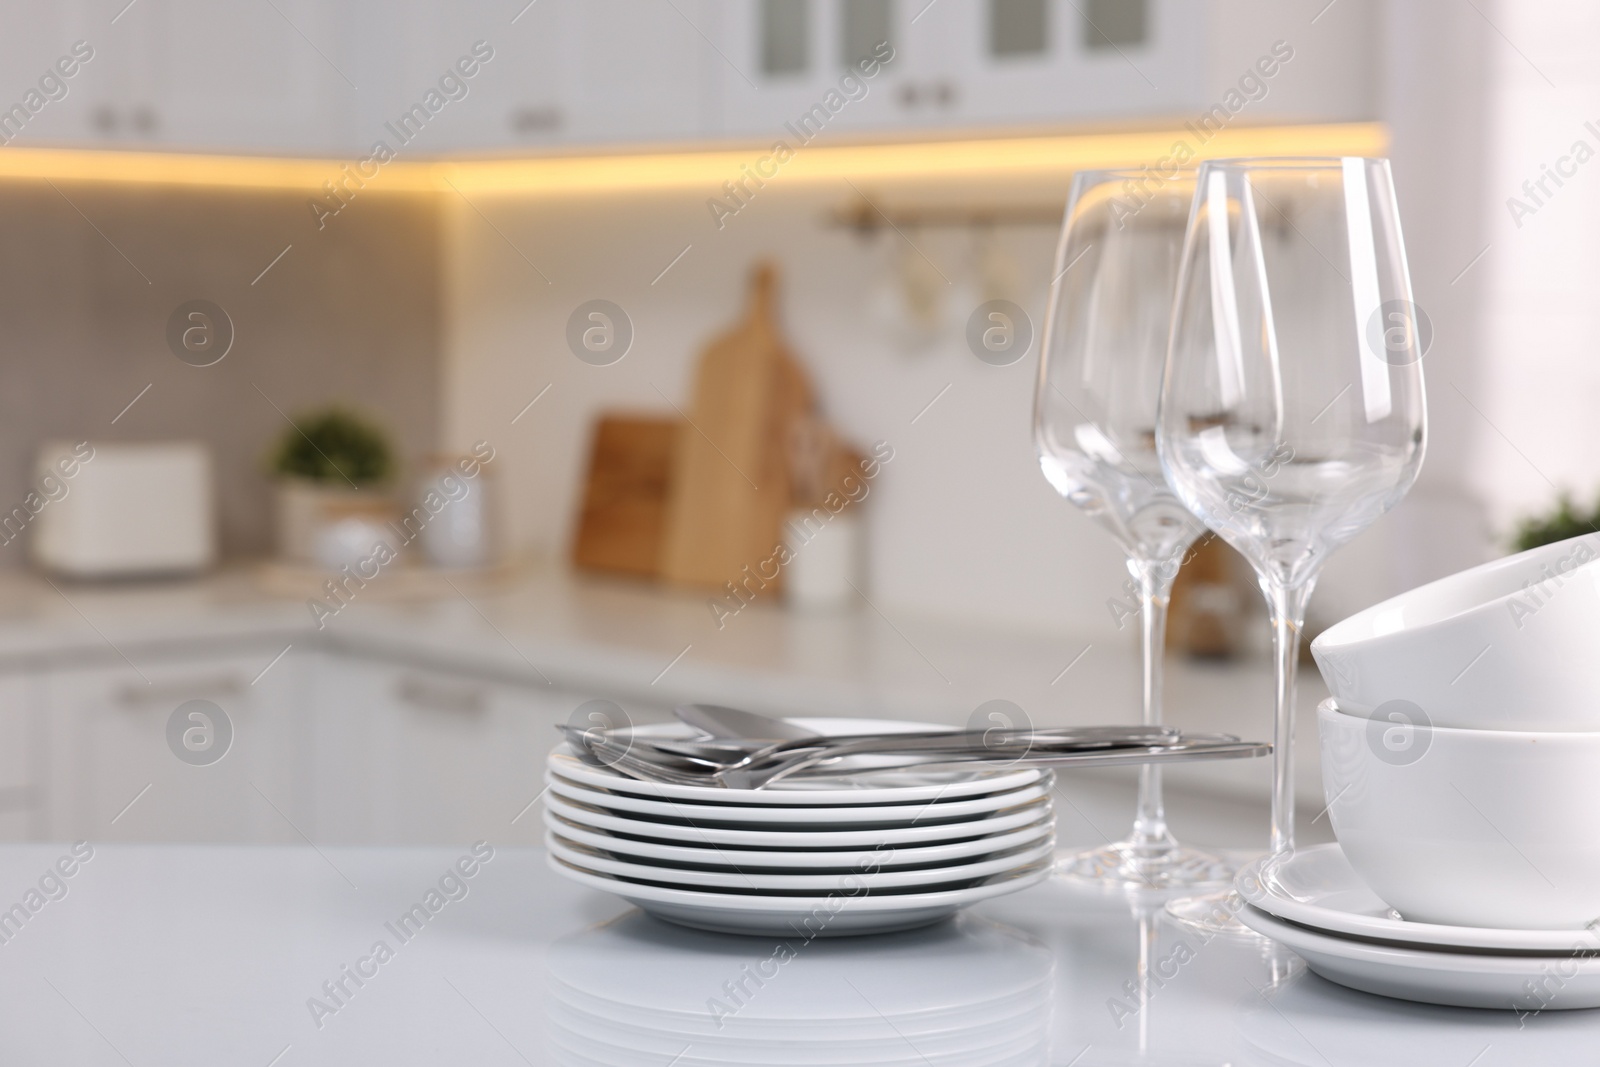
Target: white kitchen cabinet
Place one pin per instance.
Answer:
(1035, 61)
(561, 72)
(790, 69)
(643, 70)
(111, 774)
(413, 755)
(185, 74)
(299, 77)
(22, 751)
(43, 106)
(240, 77)
(982, 62)
(520, 96)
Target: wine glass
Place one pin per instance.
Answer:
(1104, 350)
(1292, 411)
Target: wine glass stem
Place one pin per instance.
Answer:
(1155, 589)
(1287, 606)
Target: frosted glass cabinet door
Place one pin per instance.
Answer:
(973, 64)
(1055, 61)
(790, 69)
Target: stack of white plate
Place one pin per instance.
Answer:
(1317, 904)
(633, 993)
(880, 850)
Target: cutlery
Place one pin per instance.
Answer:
(1220, 746)
(734, 724)
(1105, 745)
(724, 756)
(918, 740)
(639, 757)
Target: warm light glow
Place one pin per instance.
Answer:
(1000, 157)
(181, 168)
(923, 160)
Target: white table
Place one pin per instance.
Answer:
(208, 955)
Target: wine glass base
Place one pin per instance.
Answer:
(1127, 864)
(1212, 913)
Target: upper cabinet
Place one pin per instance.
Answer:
(792, 70)
(506, 75)
(426, 78)
(185, 74)
(1032, 61)
(793, 65)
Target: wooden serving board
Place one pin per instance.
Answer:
(730, 470)
(622, 526)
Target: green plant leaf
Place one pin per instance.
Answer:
(334, 446)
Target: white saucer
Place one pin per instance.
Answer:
(1438, 975)
(898, 785)
(789, 859)
(821, 916)
(1316, 887)
(834, 840)
(926, 813)
(599, 861)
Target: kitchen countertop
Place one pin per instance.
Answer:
(213, 954)
(588, 636)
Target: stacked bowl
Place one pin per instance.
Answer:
(875, 851)
(1461, 763)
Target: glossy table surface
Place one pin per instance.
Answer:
(271, 956)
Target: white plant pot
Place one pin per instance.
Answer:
(306, 509)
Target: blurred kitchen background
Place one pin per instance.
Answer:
(205, 249)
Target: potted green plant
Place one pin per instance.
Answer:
(1566, 521)
(329, 464)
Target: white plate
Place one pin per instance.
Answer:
(1317, 887)
(892, 786)
(797, 862)
(926, 813)
(821, 916)
(1436, 975)
(876, 879)
(833, 840)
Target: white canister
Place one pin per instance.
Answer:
(825, 558)
(456, 513)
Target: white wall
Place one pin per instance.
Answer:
(1541, 385)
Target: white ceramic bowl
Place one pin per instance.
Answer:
(1509, 645)
(1486, 828)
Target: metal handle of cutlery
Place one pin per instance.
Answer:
(1220, 747)
(721, 755)
(911, 741)
(735, 724)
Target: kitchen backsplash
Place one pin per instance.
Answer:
(89, 278)
(962, 525)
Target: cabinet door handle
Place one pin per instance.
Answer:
(433, 695)
(534, 120)
(134, 695)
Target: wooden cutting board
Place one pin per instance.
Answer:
(730, 469)
(622, 525)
